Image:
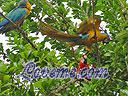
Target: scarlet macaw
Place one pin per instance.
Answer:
(17, 15)
(84, 64)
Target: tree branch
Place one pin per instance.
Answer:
(95, 35)
(64, 86)
(20, 30)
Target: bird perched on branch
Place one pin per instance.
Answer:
(90, 27)
(85, 34)
(17, 16)
(84, 64)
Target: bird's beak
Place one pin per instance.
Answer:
(107, 40)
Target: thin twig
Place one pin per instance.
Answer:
(20, 30)
(50, 5)
(60, 15)
(124, 10)
(64, 86)
(88, 9)
(73, 53)
(95, 35)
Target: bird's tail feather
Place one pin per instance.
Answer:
(55, 34)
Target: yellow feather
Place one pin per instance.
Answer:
(28, 9)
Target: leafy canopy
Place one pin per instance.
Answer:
(113, 55)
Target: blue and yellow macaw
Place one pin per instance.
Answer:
(85, 34)
(17, 15)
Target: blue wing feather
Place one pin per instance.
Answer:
(15, 15)
(4, 22)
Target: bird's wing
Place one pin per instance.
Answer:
(4, 22)
(15, 15)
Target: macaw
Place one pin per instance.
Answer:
(17, 15)
(86, 30)
(84, 64)
(86, 38)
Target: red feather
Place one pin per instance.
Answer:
(82, 63)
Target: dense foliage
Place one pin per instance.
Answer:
(113, 55)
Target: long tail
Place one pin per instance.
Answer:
(55, 34)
